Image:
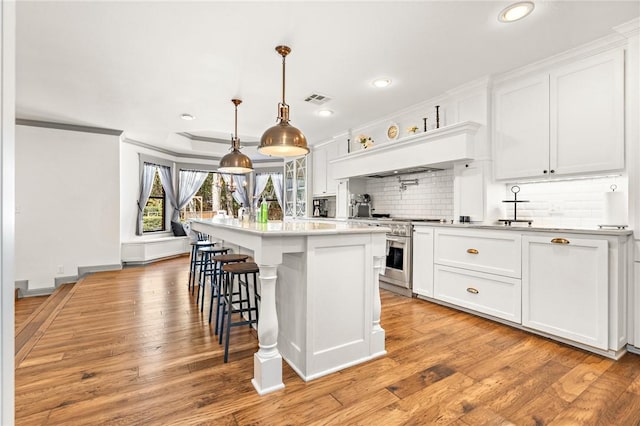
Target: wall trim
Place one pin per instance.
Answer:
(70, 127)
(214, 140)
(23, 285)
(84, 270)
(168, 151)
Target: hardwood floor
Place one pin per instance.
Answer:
(131, 347)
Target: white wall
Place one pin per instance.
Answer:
(7, 209)
(67, 203)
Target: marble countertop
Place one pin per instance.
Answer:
(533, 228)
(293, 227)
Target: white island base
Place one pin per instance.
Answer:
(323, 314)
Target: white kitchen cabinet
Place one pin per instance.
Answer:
(475, 193)
(492, 252)
(342, 199)
(567, 121)
(422, 274)
(324, 183)
(295, 187)
(521, 128)
(479, 270)
(319, 178)
(565, 288)
(576, 293)
(489, 294)
(346, 187)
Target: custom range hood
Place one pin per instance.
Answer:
(429, 151)
(407, 171)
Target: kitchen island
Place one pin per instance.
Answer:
(324, 313)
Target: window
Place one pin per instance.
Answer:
(153, 218)
(269, 193)
(212, 196)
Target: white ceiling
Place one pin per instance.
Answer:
(136, 66)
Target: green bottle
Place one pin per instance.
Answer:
(264, 211)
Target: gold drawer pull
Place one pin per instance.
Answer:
(472, 251)
(473, 290)
(560, 241)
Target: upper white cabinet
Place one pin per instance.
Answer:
(324, 182)
(567, 121)
(295, 187)
(521, 137)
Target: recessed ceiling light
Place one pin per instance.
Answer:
(325, 113)
(187, 117)
(381, 82)
(516, 11)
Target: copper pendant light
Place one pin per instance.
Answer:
(235, 162)
(283, 140)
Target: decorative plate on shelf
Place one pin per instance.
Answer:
(393, 131)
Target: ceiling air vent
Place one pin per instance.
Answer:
(317, 99)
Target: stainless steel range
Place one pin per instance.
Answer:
(397, 275)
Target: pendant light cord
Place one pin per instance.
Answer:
(283, 79)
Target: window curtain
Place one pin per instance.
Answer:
(189, 184)
(146, 183)
(240, 194)
(277, 179)
(167, 185)
(261, 184)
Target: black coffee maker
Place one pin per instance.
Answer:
(320, 207)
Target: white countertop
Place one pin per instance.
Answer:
(533, 228)
(293, 227)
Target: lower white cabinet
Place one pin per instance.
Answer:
(565, 288)
(423, 260)
(490, 294)
(480, 270)
(572, 287)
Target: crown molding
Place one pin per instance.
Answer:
(188, 156)
(70, 127)
(629, 29)
(168, 151)
(213, 140)
(603, 44)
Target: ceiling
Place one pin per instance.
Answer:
(137, 66)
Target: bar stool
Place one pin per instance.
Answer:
(242, 301)
(196, 262)
(217, 281)
(207, 269)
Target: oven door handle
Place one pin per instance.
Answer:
(397, 240)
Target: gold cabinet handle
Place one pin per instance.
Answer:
(472, 251)
(473, 290)
(560, 241)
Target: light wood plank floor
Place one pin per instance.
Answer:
(130, 347)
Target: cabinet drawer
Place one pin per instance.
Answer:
(490, 294)
(493, 252)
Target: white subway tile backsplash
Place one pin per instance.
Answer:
(571, 203)
(432, 197)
